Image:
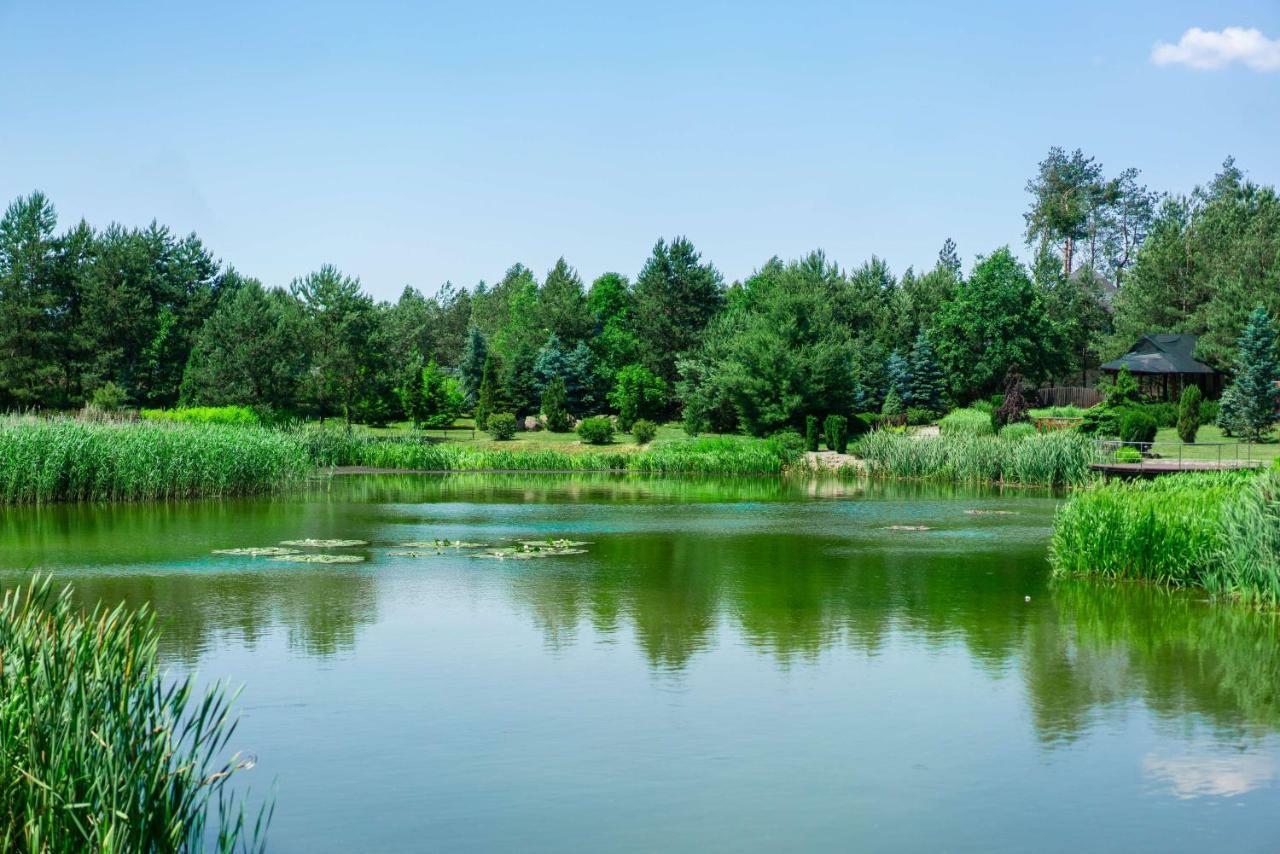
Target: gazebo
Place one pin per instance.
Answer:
(1164, 364)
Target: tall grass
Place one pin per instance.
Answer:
(712, 455)
(99, 751)
(1219, 531)
(1050, 459)
(68, 460)
(966, 422)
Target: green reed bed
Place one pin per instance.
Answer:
(719, 455)
(69, 460)
(966, 422)
(100, 750)
(1049, 459)
(1219, 531)
(234, 415)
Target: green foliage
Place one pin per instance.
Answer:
(491, 396)
(345, 342)
(1189, 413)
(917, 416)
(109, 397)
(644, 431)
(1059, 458)
(1249, 564)
(1017, 430)
(1127, 454)
(100, 748)
(430, 397)
(235, 415)
(554, 413)
(928, 386)
(993, 323)
(596, 430)
(836, 430)
(973, 421)
(1249, 404)
(898, 372)
(674, 299)
(65, 460)
(812, 434)
(1121, 391)
(637, 393)
(1138, 427)
(893, 406)
(471, 369)
(501, 426)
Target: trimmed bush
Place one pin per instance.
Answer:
(1189, 413)
(812, 434)
(836, 430)
(643, 431)
(597, 430)
(1138, 427)
(501, 426)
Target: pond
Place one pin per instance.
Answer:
(730, 665)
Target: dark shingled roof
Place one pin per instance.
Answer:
(1161, 353)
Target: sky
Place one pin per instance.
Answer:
(415, 143)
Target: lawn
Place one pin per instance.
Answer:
(1210, 443)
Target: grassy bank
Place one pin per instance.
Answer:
(98, 750)
(1218, 531)
(1050, 459)
(718, 455)
(69, 460)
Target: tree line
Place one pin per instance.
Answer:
(147, 318)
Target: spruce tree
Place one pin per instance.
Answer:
(554, 413)
(471, 370)
(899, 373)
(1250, 402)
(490, 398)
(928, 385)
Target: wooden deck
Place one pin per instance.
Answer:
(1151, 468)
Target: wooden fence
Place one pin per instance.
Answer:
(1069, 395)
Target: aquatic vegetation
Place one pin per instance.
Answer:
(907, 528)
(1220, 531)
(966, 422)
(265, 551)
(552, 544)
(320, 558)
(324, 544)
(990, 513)
(441, 544)
(60, 459)
(239, 416)
(416, 553)
(99, 749)
(1048, 459)
(528, 549)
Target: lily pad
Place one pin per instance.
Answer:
(312, 558)
(907, 528)
(443, 544)
(415, 553)
(990, 513)
(523, 552)
(324, 544)
(552, 544)
(265, 551)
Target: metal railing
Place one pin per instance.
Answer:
(1174, 456)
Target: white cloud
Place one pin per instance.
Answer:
(1210, 49)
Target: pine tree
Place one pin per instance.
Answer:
(928, 385)
(471, 370)
(1250, 402)
(490, 398)
(557, 418)
(899, 373)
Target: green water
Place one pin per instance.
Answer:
(733, 666)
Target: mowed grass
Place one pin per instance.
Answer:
(99, 749)
(1210, 443)
(67, 460)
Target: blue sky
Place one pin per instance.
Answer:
(413, 143)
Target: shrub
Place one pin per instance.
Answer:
(1189, 413)
(811, 433)
(863, 422)
(234, 415)
(597, 430)
(554, 412)
(1102, 420)
(643, 431)
(790, 443)
(1013, 406)
(108, 397)
(100, 748)
(966, 422)
(1138, 427)
(836, 430)
(1208, 411)
(892, 406)
(1164, 412)
(501, 426)
(1021, 430)
(637, 393)
(1127, 454)
(917, 416)
(986, 406)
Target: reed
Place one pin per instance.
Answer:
(966, 422)
(1049, 459)
(234, 415)
(99, 750)
(1248, 565)
(71, 460)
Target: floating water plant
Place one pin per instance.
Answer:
(907, 528)
(415, 553)
(990, 513)
(552, 544)
(324, 544)
(265, 551)
(441, 544)
(308, 558)
(533, 548)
